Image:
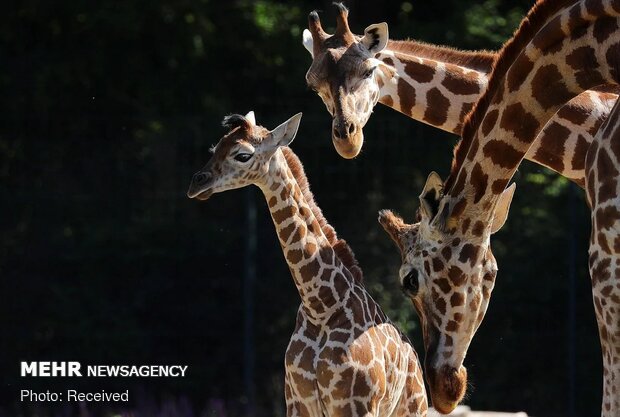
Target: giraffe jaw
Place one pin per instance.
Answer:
(203, 196)
(200, 195)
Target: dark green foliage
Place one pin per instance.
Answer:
(109, 107)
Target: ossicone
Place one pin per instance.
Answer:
(233, 121)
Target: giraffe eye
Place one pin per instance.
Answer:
(369, 73)
(411, 283)
(243, 157)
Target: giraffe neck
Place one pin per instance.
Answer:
(431, 84)
(322, 280)
(569, 55)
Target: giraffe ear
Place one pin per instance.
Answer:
(375, 37)
(431, 196)
(502, 207)
(308, 42)
(393, 226)
(284, 134)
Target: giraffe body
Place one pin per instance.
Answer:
(345, 358)
(561, 49)
(604, 254)
(438, 86)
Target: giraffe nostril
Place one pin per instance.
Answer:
(351, 128)
(411, 283)
(337, 133)
(200, 178)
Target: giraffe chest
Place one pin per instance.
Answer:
(327, 367)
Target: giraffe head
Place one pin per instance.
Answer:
(344, 74)
(242, 157)
(449, 277)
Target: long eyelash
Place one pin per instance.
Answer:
(212, 149)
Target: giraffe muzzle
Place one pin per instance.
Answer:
(199, 187)
(447, 387)
(347, 139)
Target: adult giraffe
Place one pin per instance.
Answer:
(345, 358)
(433, 84)
(561, 49)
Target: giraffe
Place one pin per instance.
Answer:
(345, 358)
(433, 84)
(562, 48)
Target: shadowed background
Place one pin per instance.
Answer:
(108, 108)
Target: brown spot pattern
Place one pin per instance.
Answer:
(601, 272)
(575, 114)
(446, 252)
(459, 208)
(552, 146)
(422, 73)
(550, 36)
(581, 148)
(407, 96)
(284, 213)
(437, 105)
(452, 326)
(465, 225)
(518, 72)
(607, 174)
(460, 84)
(489, 121)
(457, 299)
(443, 285)
(469, 253)
(440, 304)
(613, 59)
(478, 228)
(614, 145)
(595, 7)
(522, 124)
(584, 62)
(437, 264)
(293, 256)
(479, 181)
(310, 270)
(499, 186)
(607, 217)
(502, 154)
(456, 275)
(548, 87)
(285, 233)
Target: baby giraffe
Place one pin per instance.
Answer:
(345, 358)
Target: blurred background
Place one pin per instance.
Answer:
(108, 108)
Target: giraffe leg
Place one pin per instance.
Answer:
(603, 190)
(606, 297)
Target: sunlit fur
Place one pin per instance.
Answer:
(450, 314)
(562, 49)
(344, 357)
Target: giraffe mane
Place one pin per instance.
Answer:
(481, 60)
(536, 18)
(341, 249)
